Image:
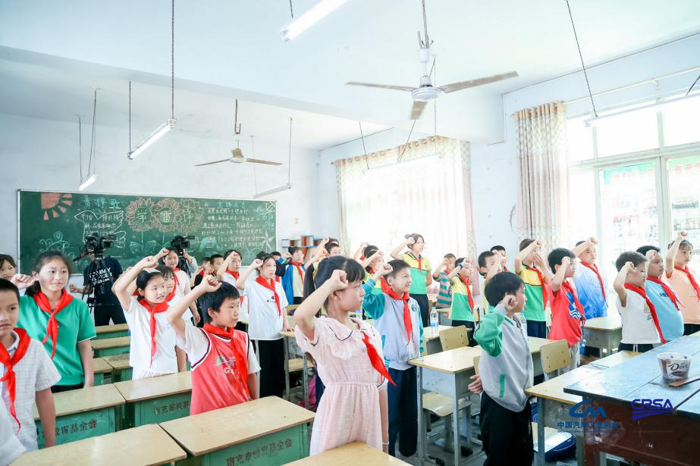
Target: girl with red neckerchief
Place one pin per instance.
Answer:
(686, 282)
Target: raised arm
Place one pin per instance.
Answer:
(121, 286)
(560, 276)
(224, 266)
(396, 252)
(175, 311)
(318, 252)
(619, 283)
(520, 257)
(360, 252)
(305, 315)
(673, 250)
(243, 278)
(438, 269)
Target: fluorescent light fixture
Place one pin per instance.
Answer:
(91, 179)
(153, 137)
(652, 106)
(272, 191)
(311, 17)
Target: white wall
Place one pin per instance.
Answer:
(43, 155)
(494, 201)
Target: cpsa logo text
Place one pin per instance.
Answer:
(645, 407)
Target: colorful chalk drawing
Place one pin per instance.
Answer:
(55, 204)
(139, 215)
(140, 250)
(55, 243)
(104, 224)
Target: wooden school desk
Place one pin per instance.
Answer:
(260, 432)
(84, 413)
(659, 438)
(101, 368)
(351, 454)
(614, 359)
(143, 445)
(431, 342)
(156, 399)
(604, 333)
(553, 407)
(111, 331)
(110, 346)
(121, 370)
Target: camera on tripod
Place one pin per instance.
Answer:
(97, 244)
(180, 243)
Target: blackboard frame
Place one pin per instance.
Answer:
(19, 200)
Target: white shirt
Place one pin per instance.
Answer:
(34, 372)
(637, 323)
(196, 345)
(265, 322)
(187, 316)
(182, 281)
(10, 446)
(164, 360)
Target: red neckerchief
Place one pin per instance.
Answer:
(570, 289)
(505, 269)
(235, 275)
(370, 270)
(540, 275)
(374, 358)
(177, 280)
(667, 289)
(301, 272)
(594, 268)
(386, 289)
(10, 363)
(641, 292)
(152, 311)
(201, 274)
(42, 301)
(469, 291)
(691, 278)
(277, 278)
(176, 269)
(241, 367)
(270, 285)
(171, 295)
(419, 259)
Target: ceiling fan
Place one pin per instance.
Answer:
(426, 92)
(237, 153)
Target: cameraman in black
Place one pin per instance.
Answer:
(98, 277)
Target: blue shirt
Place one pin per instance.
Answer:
(589, 292)
(670, 318)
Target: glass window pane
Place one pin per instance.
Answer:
(579, 140)
(628, 211)
(684, 194)
(582, 219)
(682, 122)
(630, 132)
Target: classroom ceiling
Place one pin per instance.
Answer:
(53, 53)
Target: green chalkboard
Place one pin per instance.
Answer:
(142, 225)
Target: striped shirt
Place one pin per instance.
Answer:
(444, 300)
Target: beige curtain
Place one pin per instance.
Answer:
(427, 192)
(543, 173)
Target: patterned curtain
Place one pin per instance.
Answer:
(543, 174)
(427, 192)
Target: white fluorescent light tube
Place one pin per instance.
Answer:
(91, 179)
(153, 137)
(311, 17)
(272, 191)
(653, 106)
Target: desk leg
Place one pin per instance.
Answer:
(455, 424)
(541, 412)
(305, 383)
(422, 431)
(286, 368)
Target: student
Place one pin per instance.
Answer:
(152, 350)
(590, 282)
(348, 354)
(640, 324)
(685, 282)
(230, 269)
(224, 366)
(216, 261)
(397, 318)
(568, 315)
(506, 371)
(293, 278)
(421, 277)
(328, 248)
(662, 294)
(441, 272)
(8, 268)
(462, 308)
(281, 261)
(500, 251)
(202, 271)
(171, 296)
(373, 259)
(182, 280)
(62, 324)
(26, 374)
(530, 266)
(489, 266)
(267, 305)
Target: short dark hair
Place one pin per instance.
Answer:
(459, 261)
(498, 247)
(369, 250)
(353, 270)
(525, 243)
(685, 243)
(500, 285)
(167, 272)
(145, 276)
(228, 253)
(397, 265)
(629, 256)
(331, 245)
(643, 250)
(275, 253)
(215, 256)
(7, 285)
(449, 255)
(215, 299)
(556, 255)
(579, 243)
(6, 258)
(292, 249)
(205, 260)
(264, 257)
(481, 260)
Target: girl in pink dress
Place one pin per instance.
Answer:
(349, 360)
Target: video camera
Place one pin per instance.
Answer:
(180, 243)
(96, 244)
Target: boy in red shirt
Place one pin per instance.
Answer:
(224, 366)
(567, 312)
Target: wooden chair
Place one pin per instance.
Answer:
(476, 364)
(455, 337)
(555, 356)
